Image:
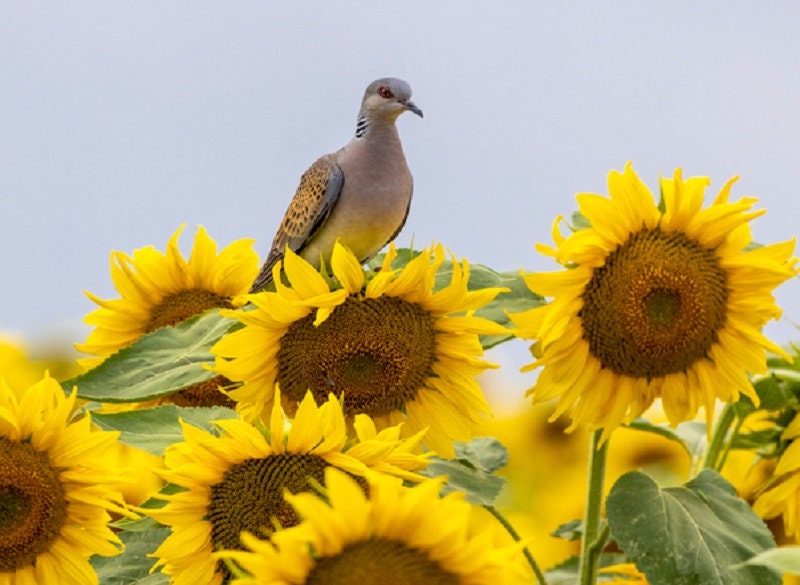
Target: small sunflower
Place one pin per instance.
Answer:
(236, 481)
(394, 348)
(653, 304)
(19, 372)
(396, 534)
(158, 290)
(21, 369)
(782, 498)
(55, 488)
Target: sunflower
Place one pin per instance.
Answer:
(19, 372)
(396, 534)
(55, 488)
(394, 347)
(236, 481)
(782, 498)
(21, 369)
(653, 304)
(159, 289)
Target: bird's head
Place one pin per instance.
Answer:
(388, 97)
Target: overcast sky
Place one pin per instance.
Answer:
(121, 120)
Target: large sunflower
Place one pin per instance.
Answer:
(396, 534)
(55, 488)
(395, 348)
(236, 481)
(158, 289)
(654, 303)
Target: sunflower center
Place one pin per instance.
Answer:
(377, 352)
(656, 306)
(33, 505)
(250, 496)
(662, 308)
(379, 561)
(181, 305)
(205, 394)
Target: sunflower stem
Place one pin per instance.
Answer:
(713, 460)
(592, 544)
(517, 538)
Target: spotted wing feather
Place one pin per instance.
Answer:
(319, 189)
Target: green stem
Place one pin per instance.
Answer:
(591, 544)
(718, 438)
(517, 538)
(734, 433)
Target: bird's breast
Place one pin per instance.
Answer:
(371, 208)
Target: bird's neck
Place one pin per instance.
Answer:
(367, 126)
(378, 142)
(362, 125)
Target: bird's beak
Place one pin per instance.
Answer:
(412, 107)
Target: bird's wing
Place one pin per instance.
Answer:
(315, 198)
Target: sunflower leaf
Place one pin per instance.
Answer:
(784, 559)
(777, 389)
(155, 429)
(570, 531)
(763, 441)
(156, 364)
(132, 565)
(483, 453)
(698, 533)
(472, 470)
(137, 524)
(579, 221)
(689, 435)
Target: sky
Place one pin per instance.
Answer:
(119, 121)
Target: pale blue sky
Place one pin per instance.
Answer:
(121, 120)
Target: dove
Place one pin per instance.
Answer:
(359, 194)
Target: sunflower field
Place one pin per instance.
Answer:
(339, 427)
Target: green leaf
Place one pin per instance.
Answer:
(156, 364)
(519, 298)
(785, 559)
(404, 256)
(483, 453)
(132, 567)
(142, 524)
(788, 375)
(690, 435)
(472, 470)
(777, 389)
(570, 531)
(565, 573)
(763, 441)
(694, 534)
(155, 429)
(579, 221)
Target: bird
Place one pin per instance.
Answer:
(359, 194)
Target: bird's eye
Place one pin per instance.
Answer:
(385, 92)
